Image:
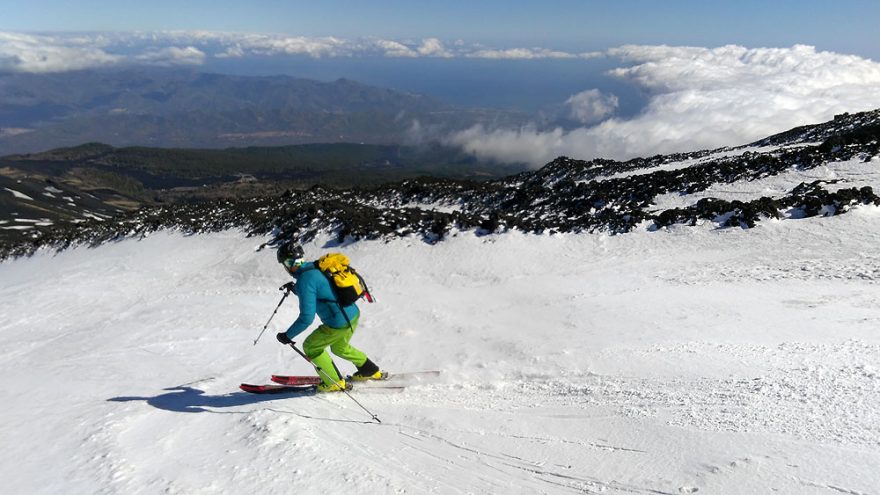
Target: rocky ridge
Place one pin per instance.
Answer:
(566, 195)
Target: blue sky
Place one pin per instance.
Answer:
(843, 25)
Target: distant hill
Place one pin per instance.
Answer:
(177, 108)
(97, 181)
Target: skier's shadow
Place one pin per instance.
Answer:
(192, 400)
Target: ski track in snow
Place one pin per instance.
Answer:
(689, 360)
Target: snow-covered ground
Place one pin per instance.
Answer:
(685, 360)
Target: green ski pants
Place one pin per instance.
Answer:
(315, 347)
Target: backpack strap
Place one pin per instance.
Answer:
(367, 295)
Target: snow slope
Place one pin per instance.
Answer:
(691, 359)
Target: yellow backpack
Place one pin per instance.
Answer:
(346, 282)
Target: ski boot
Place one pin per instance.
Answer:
(339, 386)
(369, 371)
(379, 375)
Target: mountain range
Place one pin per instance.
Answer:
(179, 108)
(809, 171)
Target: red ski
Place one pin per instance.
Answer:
(310, 389)
(314, 380)
(296, 380)
(278, 389)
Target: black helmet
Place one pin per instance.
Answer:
(289, 250)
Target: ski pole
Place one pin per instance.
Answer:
(273, 314)
(301, 353)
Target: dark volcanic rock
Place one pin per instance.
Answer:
(566, 195)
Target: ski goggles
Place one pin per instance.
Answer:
(292, 263)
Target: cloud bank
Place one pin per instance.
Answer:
(63, 52)
(40, 54)
(700, 98)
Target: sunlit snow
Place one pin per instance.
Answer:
(723, 361)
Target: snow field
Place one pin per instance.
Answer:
(686, 360)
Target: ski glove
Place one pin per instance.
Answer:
(290, 286)
(282, 337)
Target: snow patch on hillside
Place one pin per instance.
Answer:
(673, 165)
(18, 194)
(837, 175)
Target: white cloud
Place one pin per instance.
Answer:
(31, 53)
(235, 51)
(514, 146)
(432, 47)
(520, 53)
(173, 55)
(589, 55)
(703, 98)
(591, 106)
(294, 45)
(395, 49)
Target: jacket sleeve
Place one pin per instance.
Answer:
(308, 302)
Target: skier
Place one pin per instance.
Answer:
(316, 296)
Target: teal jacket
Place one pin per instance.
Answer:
(317, 297)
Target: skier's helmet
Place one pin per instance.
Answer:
(290, 254)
